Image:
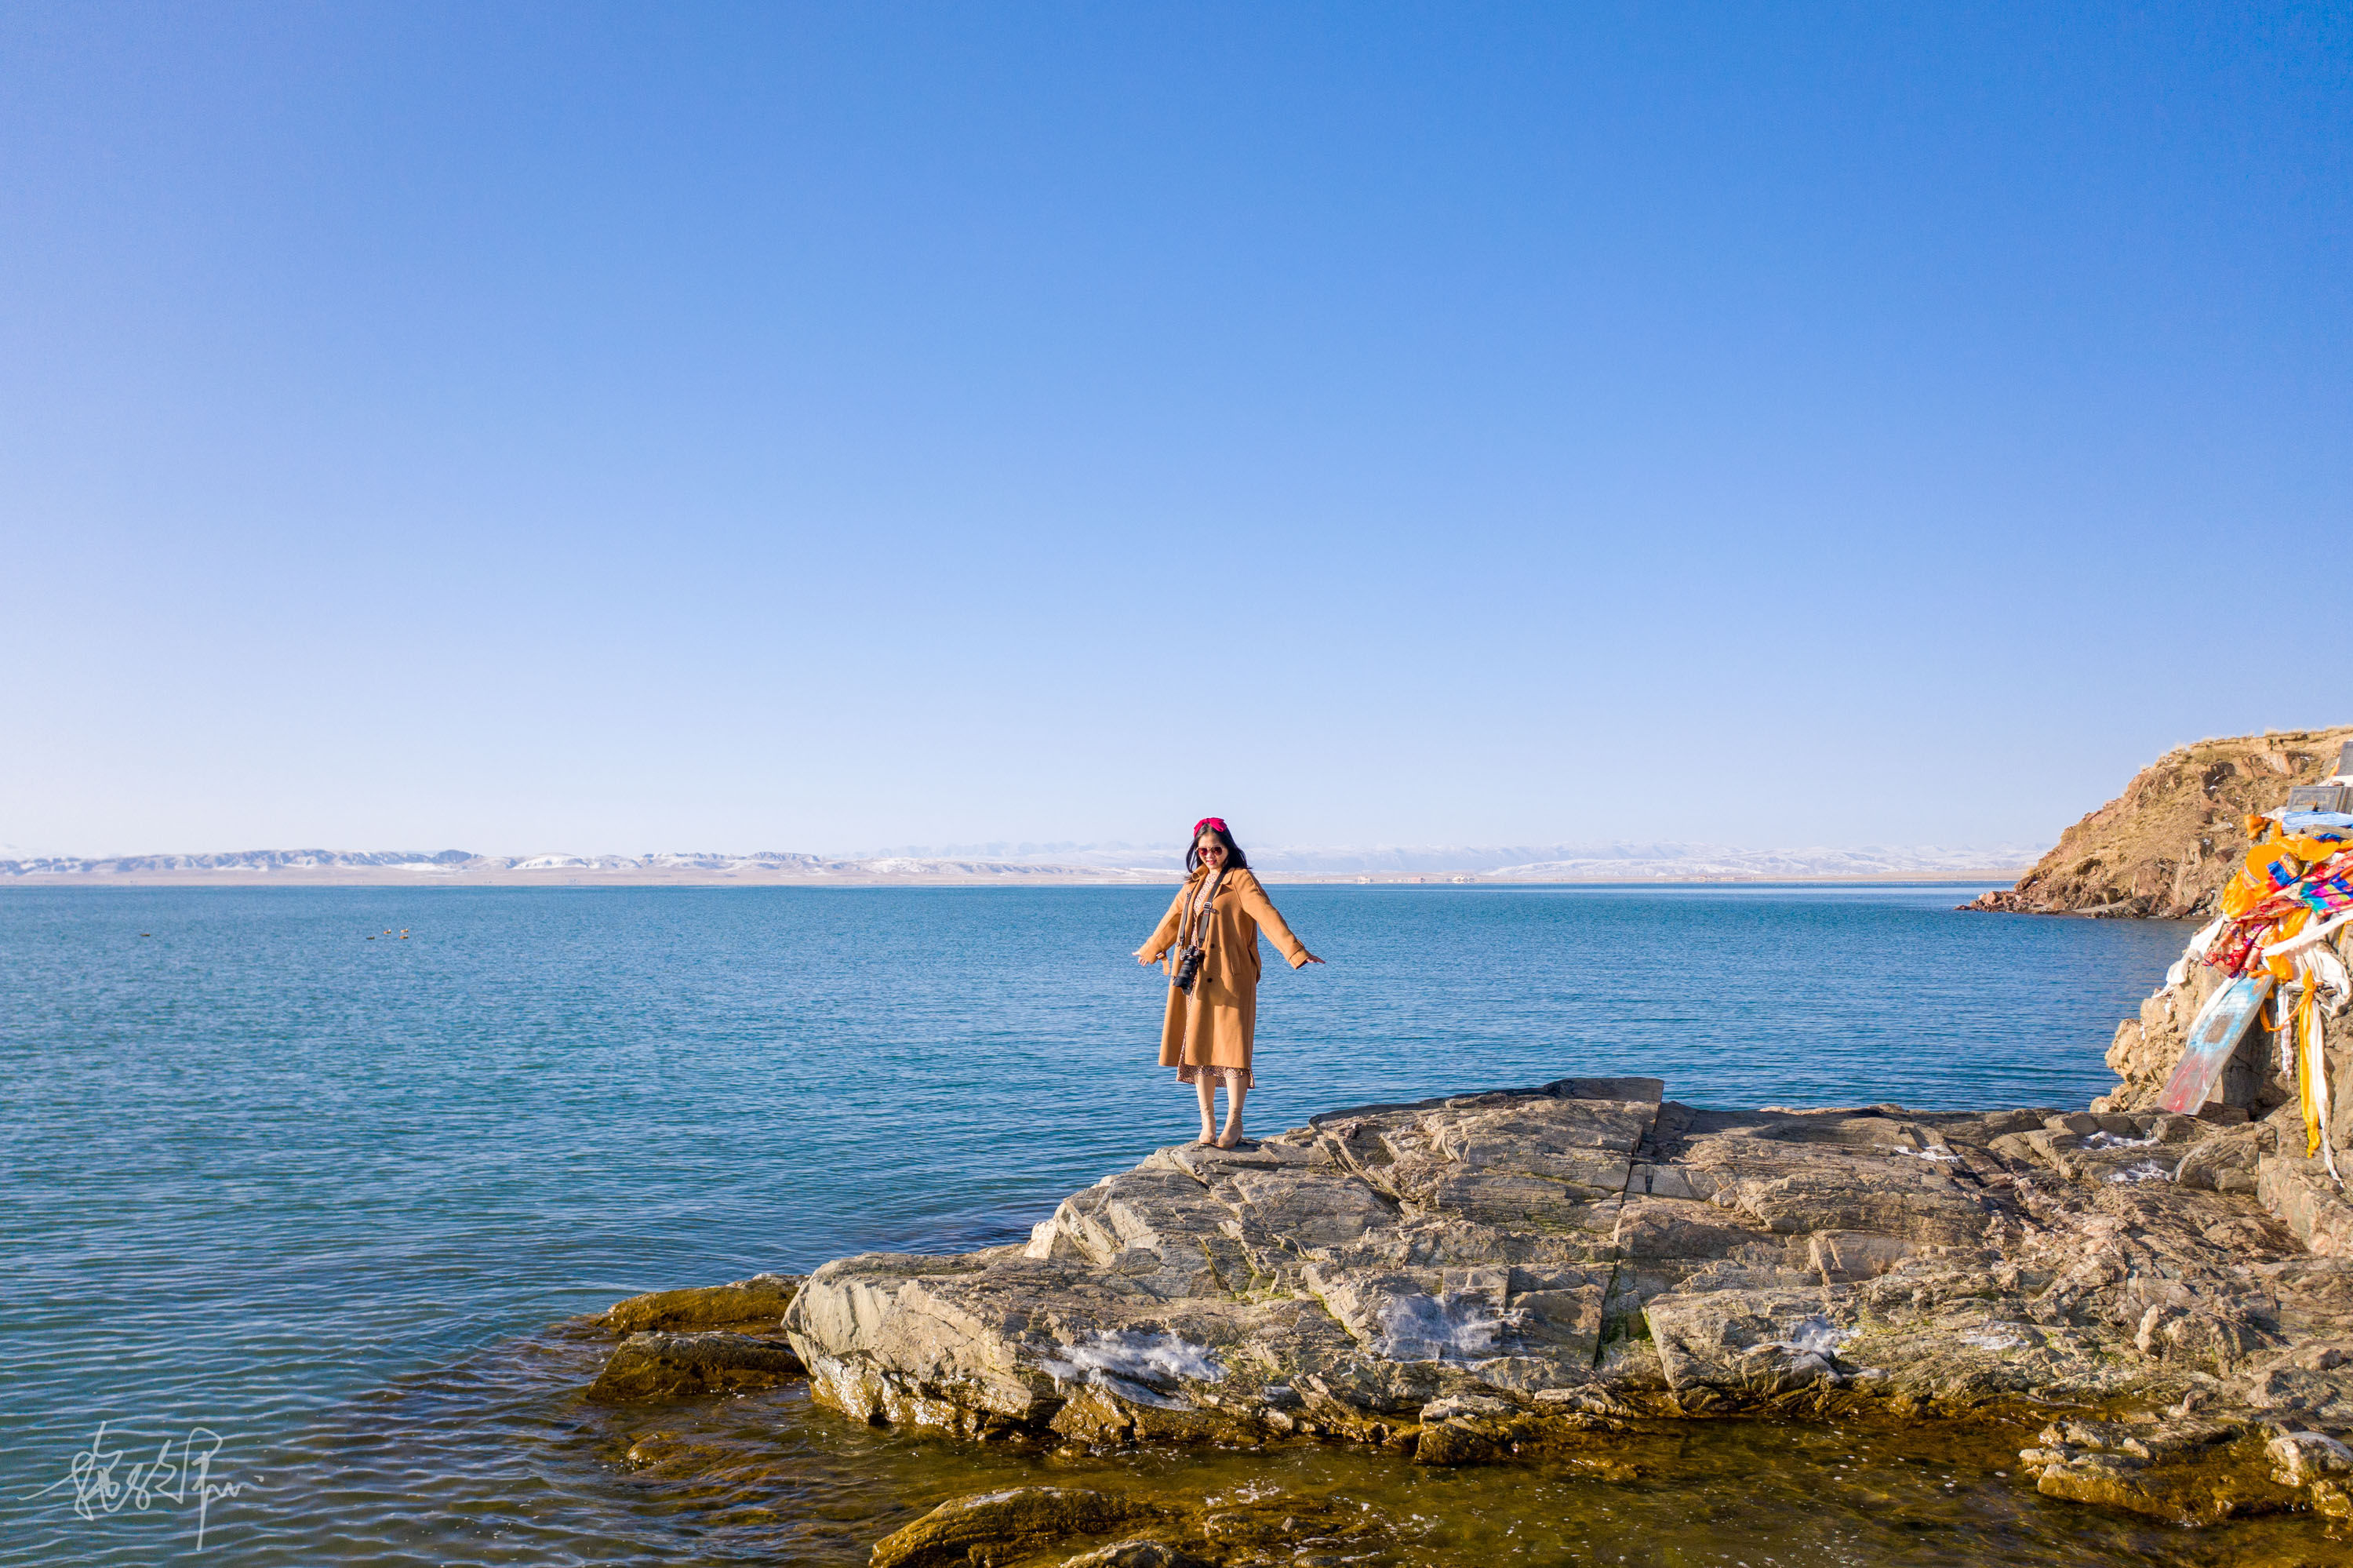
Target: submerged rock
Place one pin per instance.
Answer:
(992, 1525)
(1041, 1525)
(2191, 1470)
(1138, 1554)
(1539, 1270)
(764, 1295)
(648, 1365)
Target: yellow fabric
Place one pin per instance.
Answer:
(2312, 1067)
(1215, 1026)
(2272, 866)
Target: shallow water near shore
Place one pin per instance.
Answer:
(766, 1477)
(320, 1194)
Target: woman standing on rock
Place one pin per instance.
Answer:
(1211, 935)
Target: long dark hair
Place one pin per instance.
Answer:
(1216, 829)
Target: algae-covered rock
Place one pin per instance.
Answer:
(2185, 1469)
(991, 1526)
(1474, 1429)
(762, 1296)
(1138, 1554)
(647, 1365)
(1232, 1528)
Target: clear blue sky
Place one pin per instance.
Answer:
(563, 427)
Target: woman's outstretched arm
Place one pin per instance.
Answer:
(1166, 932)
(1261, 909)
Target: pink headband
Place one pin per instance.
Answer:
(1207, 822)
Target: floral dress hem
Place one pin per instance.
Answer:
(1186, 1073)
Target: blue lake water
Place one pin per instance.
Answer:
(261, 1172)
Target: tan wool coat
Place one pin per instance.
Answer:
(1213, 1027)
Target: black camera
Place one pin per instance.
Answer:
(1189, 969)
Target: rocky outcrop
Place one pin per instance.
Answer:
(1554, 1271)
(1540, 1270)
(2164, 847)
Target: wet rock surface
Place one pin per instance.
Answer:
(1551, 1271)
(994, 1526)
(712, 1339)
(650, 1365)
(766, 1476)
(1050, 1525)
(761, 1298)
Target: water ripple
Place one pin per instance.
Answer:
(268, 1177)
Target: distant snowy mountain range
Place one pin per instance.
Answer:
(1663, 861)
(1664, 858)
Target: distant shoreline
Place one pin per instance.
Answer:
(375, 876)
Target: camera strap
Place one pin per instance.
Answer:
(1194, 931)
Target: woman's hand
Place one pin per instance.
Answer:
(1312, 958)
(1145, 957)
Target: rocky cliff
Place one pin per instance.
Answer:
(2166, 845)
